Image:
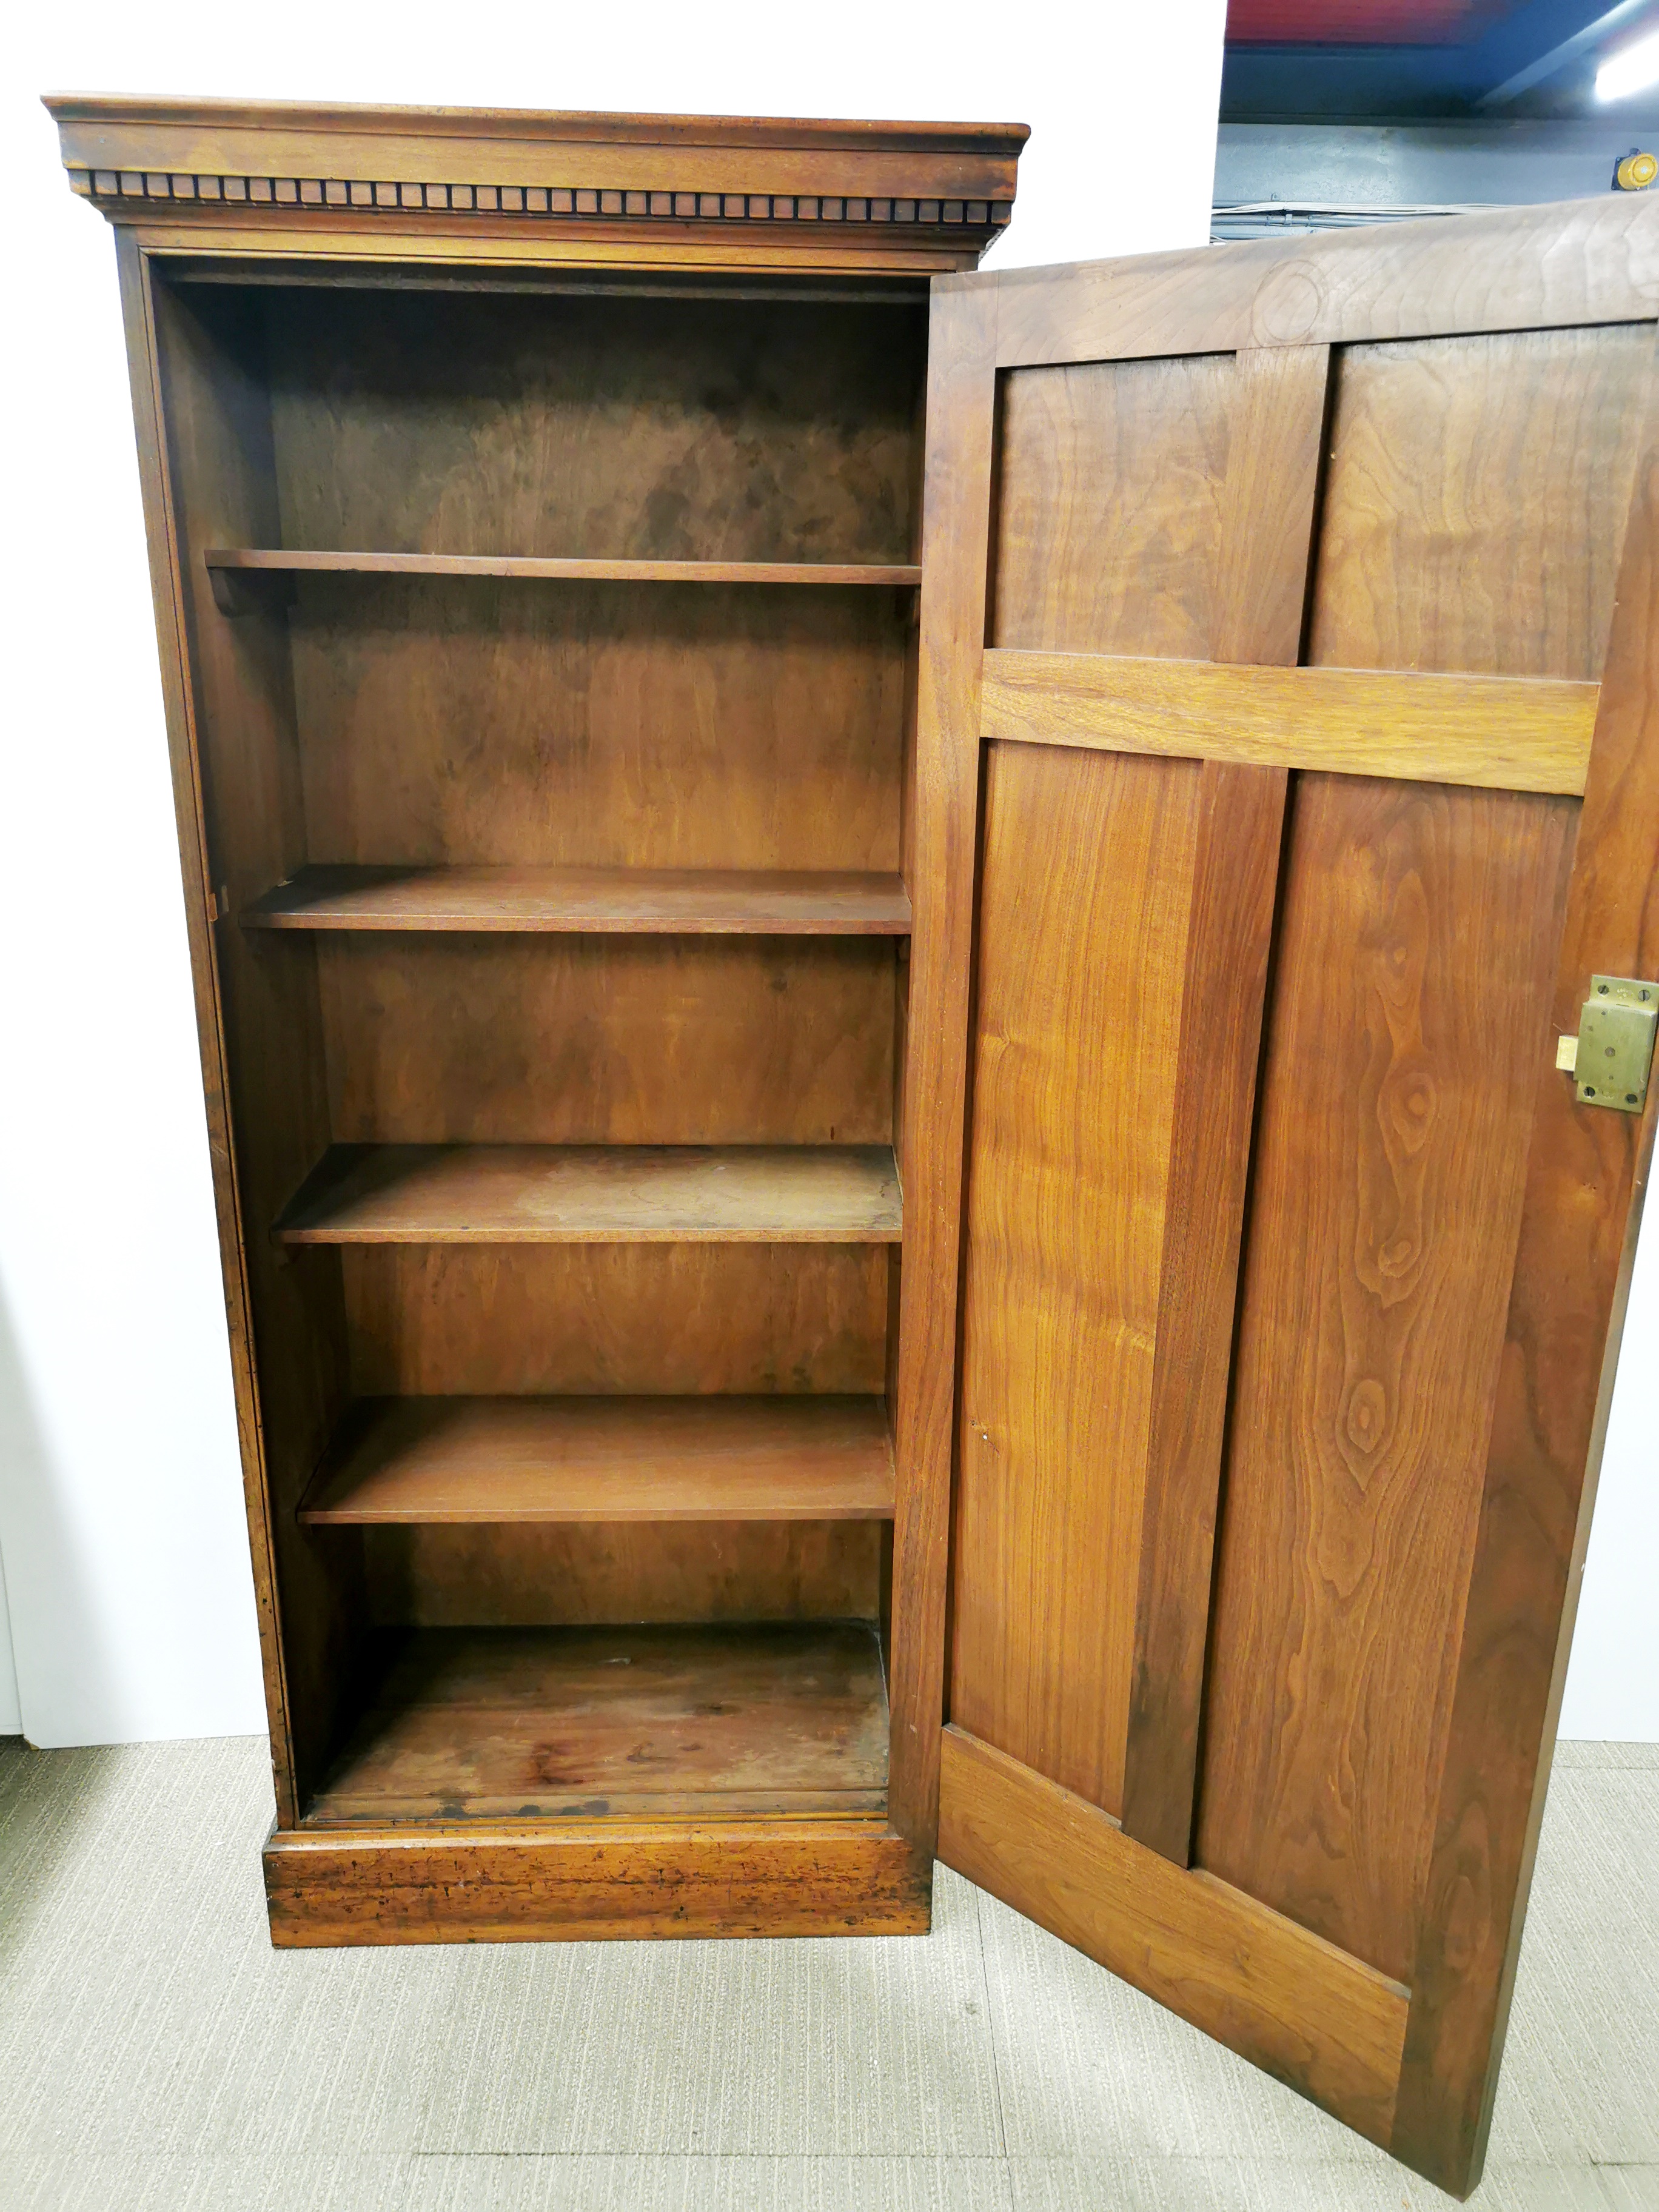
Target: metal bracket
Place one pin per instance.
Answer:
(1612, 1052)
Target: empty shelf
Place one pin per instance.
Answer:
(480, 1723)
(678, 900)
(597, 1194)
(247, 561)
(608, 1458)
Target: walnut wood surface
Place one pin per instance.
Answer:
(1411, 1007)
(608, 1458)
(1462, 470)
(646, 1722)
(1110, 489)
(530, 1193)
(437, 1574)
(634, 1039)
(1585, 1176)
(437, 1320)
(1504, 732)
(1299, 2007)
(583, 1881)
(595, 901)
(1269, 504)
(258, 560)
(1518, 269)
(960, 412)
(1079, 990)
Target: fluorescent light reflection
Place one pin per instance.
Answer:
(1633, 70)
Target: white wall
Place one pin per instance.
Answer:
(120, 1506)
(121, 1511)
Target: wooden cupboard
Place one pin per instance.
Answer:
(907, 982)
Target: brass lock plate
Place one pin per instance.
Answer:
(1615, 1043)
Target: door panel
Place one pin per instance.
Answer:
(1110, 490)
(1253, 888)
(1416, 953)
(1474, 508)
(1078, 1038)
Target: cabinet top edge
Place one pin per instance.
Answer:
(703, 190)
(549, 126)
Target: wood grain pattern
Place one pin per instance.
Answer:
(590, 1881)
(1502, 733)
(505, 1460)
(1410, 1012)
(961, 411)
(249, 561)
(1078, 983)
(593, 1193)
(1586, 1174)
(434, 1320)
(1109, 507)
(1299, 2008)
(597, 1574)
(1269, 507)
(1472, 484)
(631, 1040)
(688, 902)
(650, 1723)
(1516, 269)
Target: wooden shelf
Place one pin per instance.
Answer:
(244, 563)
(597, 1194)
(503, 1725)
(607, 1459)
(680, 902)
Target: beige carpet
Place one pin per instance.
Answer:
(156, 2052)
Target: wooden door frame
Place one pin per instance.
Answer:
(1532, 269)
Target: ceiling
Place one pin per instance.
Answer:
(1395, 60)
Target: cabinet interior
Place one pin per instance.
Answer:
(562, 938)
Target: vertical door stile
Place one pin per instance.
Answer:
(1270, 500)
(1571, 1281)
(955, 558)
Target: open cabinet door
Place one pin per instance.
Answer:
(1288, 777)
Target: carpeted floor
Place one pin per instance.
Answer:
(156, 2052)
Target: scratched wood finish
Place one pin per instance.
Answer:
(596, 1194)
(504, 1460)
(1268, 505)
(1415, 955)
(1507, 733)
(1570, 1284)
(493, 1724)
(434, 1320)
(1299, 2007)
(1078, 991)
(571, 1039)
(593, 901)
(584, 1881)
(1109, 507)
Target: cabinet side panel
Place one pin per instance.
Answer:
(216, 410)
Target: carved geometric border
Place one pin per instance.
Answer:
(550, 200)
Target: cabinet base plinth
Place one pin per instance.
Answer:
(593, 1882)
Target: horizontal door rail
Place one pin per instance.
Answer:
(1504, 732)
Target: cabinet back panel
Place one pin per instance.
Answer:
(596, 426)
(442, 1576)
(454, 720)
(640, 1041)
(451, 1319)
